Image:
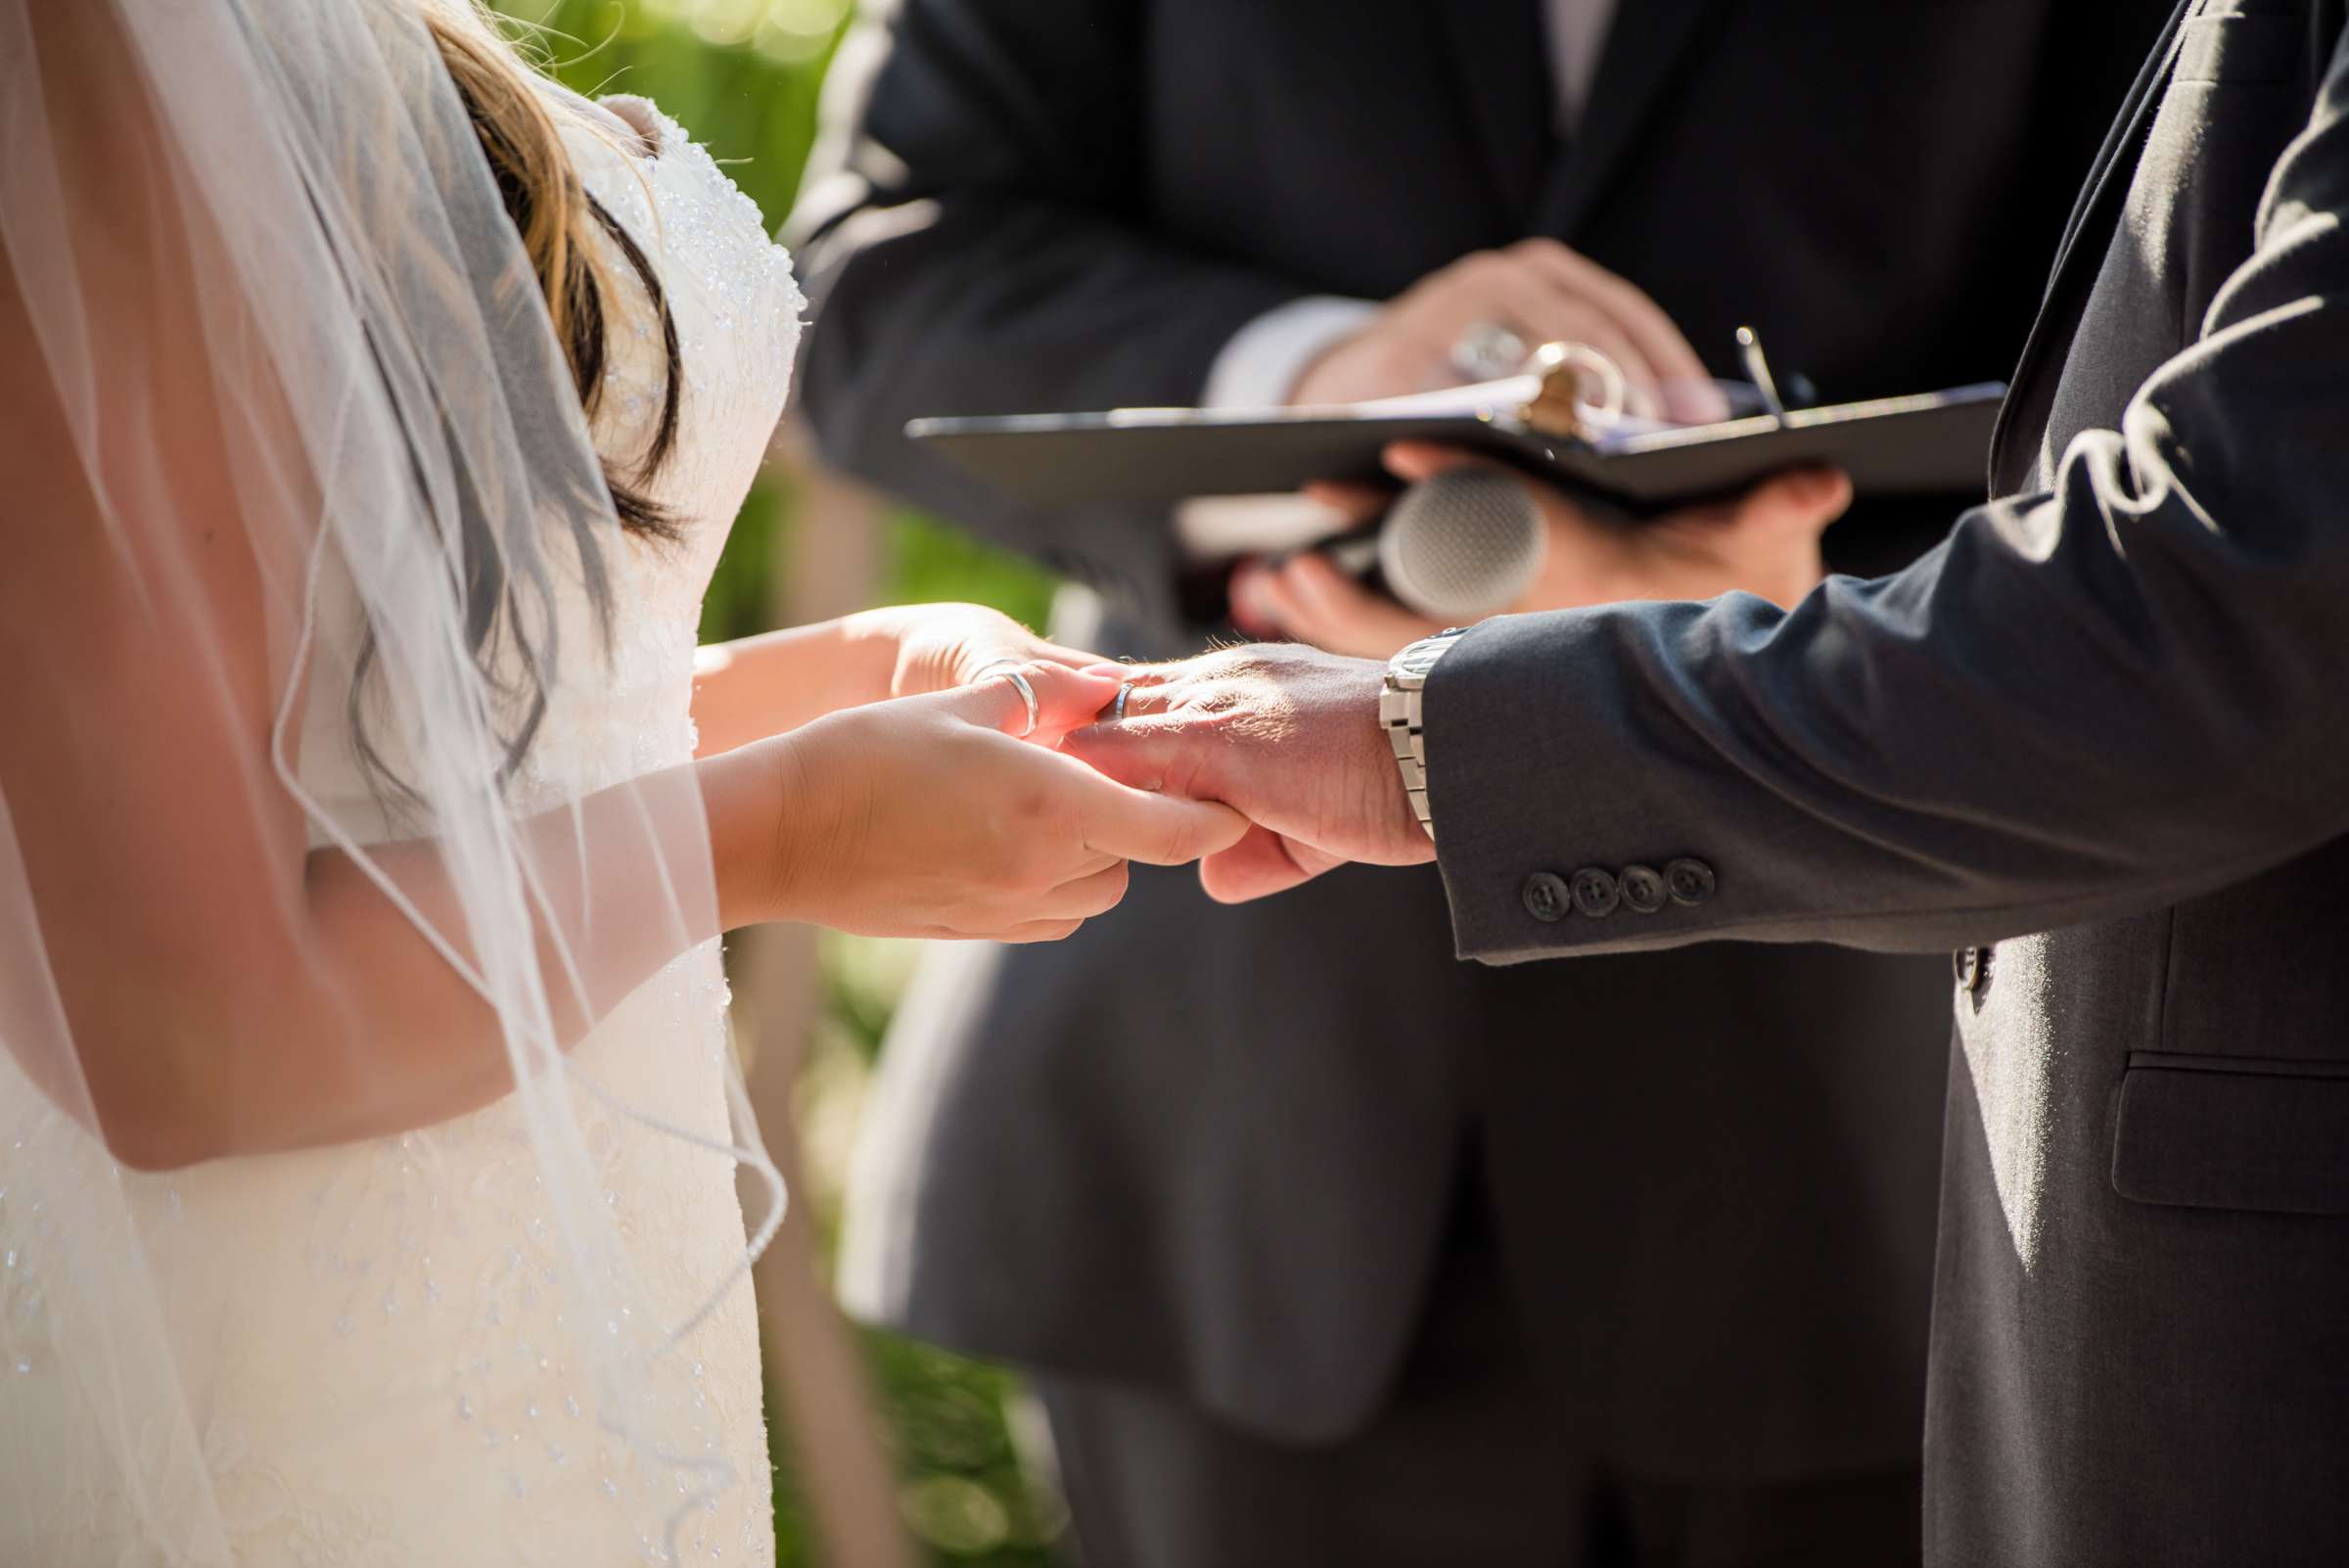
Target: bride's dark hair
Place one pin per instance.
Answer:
(563, 230)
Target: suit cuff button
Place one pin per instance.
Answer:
(1691, 880)
(1642, 888)
(1595, 893)
(1545, 897)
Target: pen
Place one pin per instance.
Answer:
(1757, 370)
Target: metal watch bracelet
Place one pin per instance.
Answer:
(1402, 712)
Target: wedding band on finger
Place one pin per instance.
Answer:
(1028, 696)
(988, 669)
(1117, 710)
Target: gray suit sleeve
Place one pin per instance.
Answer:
(2084, 702)
(979, 249)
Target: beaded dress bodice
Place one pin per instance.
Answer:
(387, 1346)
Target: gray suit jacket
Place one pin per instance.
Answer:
(2098, 742)
(1214, 1149)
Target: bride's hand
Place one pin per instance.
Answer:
(754, 687)
(925, 817)
(941, 646)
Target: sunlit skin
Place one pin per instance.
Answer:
(1543, 291)
(1539, 290)
(227, 989)
(1764, 542)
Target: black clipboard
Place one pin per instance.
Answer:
(1154, 457)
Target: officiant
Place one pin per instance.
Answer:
(1335, 1250)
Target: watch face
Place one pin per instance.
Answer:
(1422, 656)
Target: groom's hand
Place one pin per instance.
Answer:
(1287, 736)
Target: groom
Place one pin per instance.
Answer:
(2095, 744)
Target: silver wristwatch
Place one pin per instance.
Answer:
(1402, 712)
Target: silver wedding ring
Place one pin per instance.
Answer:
(1117, 710)
(1028, 696)
(988, 669)
(1488, 350)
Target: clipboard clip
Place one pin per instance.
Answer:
(1579, 394)
(1581, 391)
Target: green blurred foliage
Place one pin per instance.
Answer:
(744, 76)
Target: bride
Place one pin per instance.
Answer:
(375, 412)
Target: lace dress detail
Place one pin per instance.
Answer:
(387, 1326)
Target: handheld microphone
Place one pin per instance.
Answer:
(1455, 548)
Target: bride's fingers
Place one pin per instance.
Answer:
(1065, 699)
(1089, 896)
(1139, 671)
(1143, 756)
(1038, 930)
(1077, 659)
(992, 658)
(1152, 828)
(1088, 864)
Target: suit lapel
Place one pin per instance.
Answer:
(2128, 125)
(2027, 400)
(1644, 41)
(1497, 47)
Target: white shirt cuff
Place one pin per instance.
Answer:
(1258, 369)
(1262, 363)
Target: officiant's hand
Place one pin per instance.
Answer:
(1766, 543)
(1541, 291)
(1286, 735)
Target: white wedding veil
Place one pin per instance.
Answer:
(301, 527)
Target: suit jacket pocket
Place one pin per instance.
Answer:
(2256, 1133)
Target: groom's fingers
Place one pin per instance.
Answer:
(1131, 679)
(1259, 865)
(1144, 698)
(1065, 699)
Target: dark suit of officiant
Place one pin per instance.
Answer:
(1323, 1246)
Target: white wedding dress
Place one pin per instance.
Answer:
(381, 1329)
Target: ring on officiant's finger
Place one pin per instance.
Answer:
(1027, 695)
(1488, 350)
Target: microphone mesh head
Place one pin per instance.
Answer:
(1463, 544)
